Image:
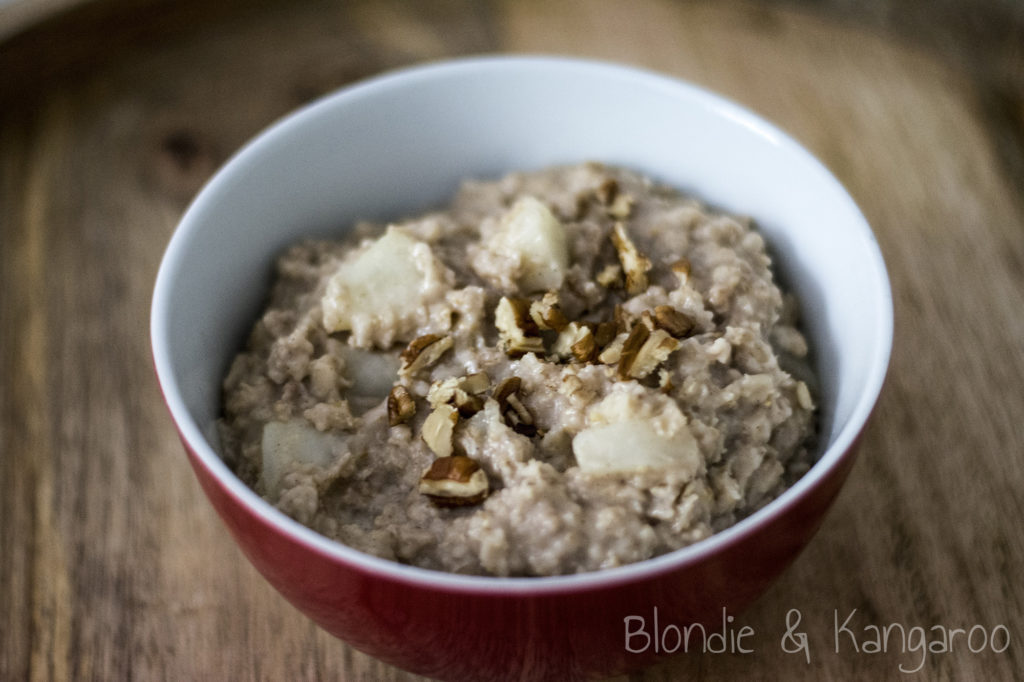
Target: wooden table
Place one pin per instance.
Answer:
(112, 114)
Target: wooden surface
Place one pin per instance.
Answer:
(113, 565)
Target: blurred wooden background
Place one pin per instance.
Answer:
(113, 113)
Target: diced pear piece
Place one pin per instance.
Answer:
(631, 432)
(371, 372)
(635, 445)
(530, 229)
(294, 445)
(387, 286)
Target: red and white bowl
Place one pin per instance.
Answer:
(395, 144)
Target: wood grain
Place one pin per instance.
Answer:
(112, 114)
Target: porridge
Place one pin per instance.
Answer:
(562, 371)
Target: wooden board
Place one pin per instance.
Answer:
(113, 565)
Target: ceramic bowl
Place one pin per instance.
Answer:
(398, 143)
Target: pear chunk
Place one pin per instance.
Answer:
(630, 446)
(383, 294)
(530, 230)
(293, 446)
(628, 433)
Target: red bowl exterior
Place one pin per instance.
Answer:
(454, 634)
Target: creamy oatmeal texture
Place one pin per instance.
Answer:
(563, 371)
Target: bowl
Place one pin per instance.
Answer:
(401, 142)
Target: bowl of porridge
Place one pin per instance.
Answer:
(483, 361)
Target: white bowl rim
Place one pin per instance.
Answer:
(504, 586)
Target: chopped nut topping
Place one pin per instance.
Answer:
(448, 390)
(607, 191)
(401, 406)
(671, 320)
(612, 353)
(643, 350)
(621, 318)
(422, 352)
(476, 383)
(442, 391)
(454, 481)
(546, 314)
(647, 319)
(621, 206)
(635, 265)
(803, 396)
(463, 392)
(576, 342)
(516, 329)
(469, 405)
(610, 276)
(512, 408)
(655, 350)
(523, 415)
(665, 381)
(438, 429)
(605, 333)
(505, 389)
(585, 347)
(682, 270)
(631, 348)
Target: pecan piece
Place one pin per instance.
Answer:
(655, 350)
(681, 268)
(401, 406)
(607, 191)
(621, 206)
(546, 313)
(505, 389)
(455, 481)
(422, 352)
(439, 428)
(631, 348)
(676, 323)
(577, 342)
(516, 330)
(610, 276)
(512, 408)
(634, 264)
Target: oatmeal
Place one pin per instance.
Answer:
(563, 371)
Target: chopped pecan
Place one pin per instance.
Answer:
(506, 388)
(612, 353)
(682, 270)
(422, 352)
(621, 318)
(476, 383)
(512, 408)
(455, 481)
(469, 405)
(607, 191)
(634, 264)
(585, 347)
(516, 330)
(576, 341)
(631, 348)
(665, 381)
(654, 351)
(401, 406)
(546, 313)
(610, 276)
(438, 429)
(605, 333)
(463, 392)
(621, 206)
(676, 323)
